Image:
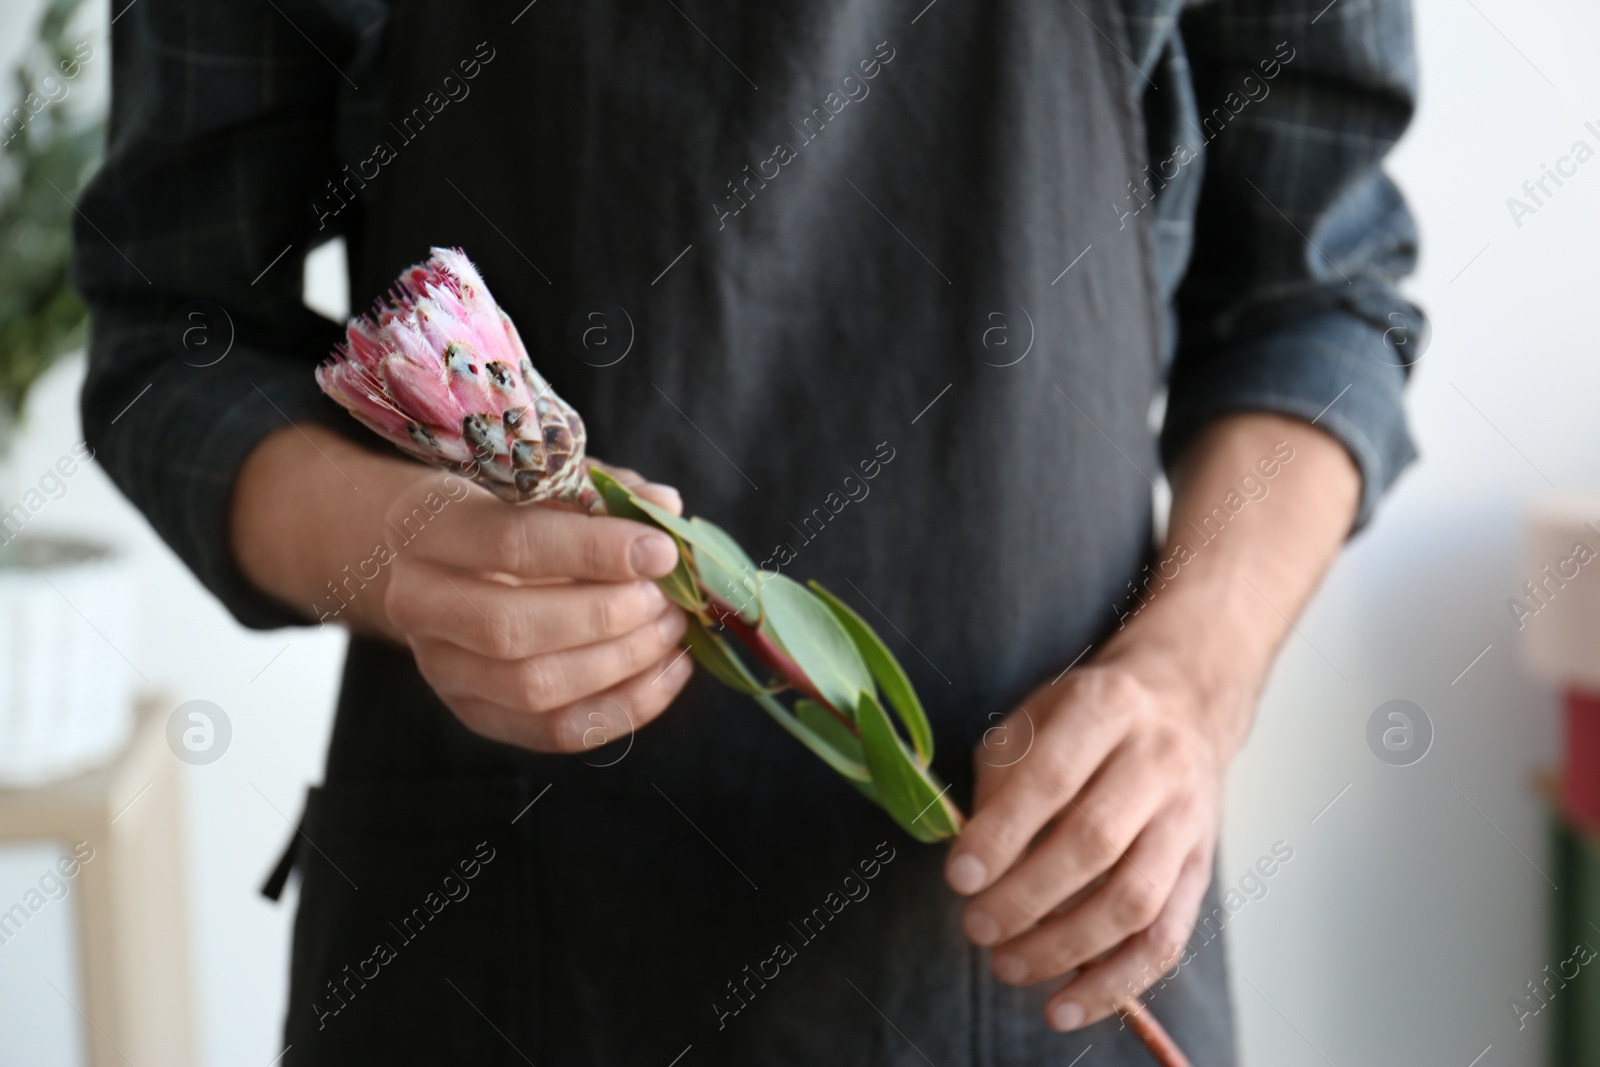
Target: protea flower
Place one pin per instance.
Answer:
(439, 371)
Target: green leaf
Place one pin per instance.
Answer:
(679, 586)
(805, 629)
(618, 498)
(907, 791)
(854, 770)
(722, 565)
(724, 664)
(725, 570)
(890, 676)
(826, 725)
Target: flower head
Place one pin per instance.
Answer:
(438, 370)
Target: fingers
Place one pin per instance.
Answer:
(586, 724)
(502, 621)
(442, 520)
(661, 495)
(1104, 987)
(1127, 901)
(1094, 831)
(1070, 745)
(543, 683)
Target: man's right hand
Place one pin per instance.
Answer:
(538, 626)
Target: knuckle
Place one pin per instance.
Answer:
(1108, 695)
(1136, 904)
(994, 835)
(1096, 850)
(398, 603)
(639, 651)
(510, 543)
(567, 731)
(1118, 689)
(503, 627)
(599, 554)
(1166, 938)
(609, 615)
(1023, 904)
(652, 701)
(535, 684)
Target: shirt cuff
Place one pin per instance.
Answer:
(1337, 370)
(176, 450)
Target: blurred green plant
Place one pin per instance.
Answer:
(48, 146)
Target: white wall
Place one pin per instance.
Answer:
(1405, 921)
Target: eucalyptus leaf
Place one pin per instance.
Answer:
(724, 664)
(855, 771)
(886, 670)
(736, 588)
(826, 725)
(907, 791)
(805, 629)
(679, 586)
(723, 566)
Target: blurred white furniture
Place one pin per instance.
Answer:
(130, 898)
(65, 695)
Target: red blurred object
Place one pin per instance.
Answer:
(1580, 777)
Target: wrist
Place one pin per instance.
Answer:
(1199, 646)
(307, 504)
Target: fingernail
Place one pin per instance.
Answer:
(1010, 969)
(1067, 1016)
(671, 626)
(666, 493)
(966, 873)
(652, 556)
(981, 928)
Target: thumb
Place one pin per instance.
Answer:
(663, 496)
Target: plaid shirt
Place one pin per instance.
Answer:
(1279, 241)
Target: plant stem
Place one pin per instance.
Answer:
(779, 662)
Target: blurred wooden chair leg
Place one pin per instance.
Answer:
(132, 934)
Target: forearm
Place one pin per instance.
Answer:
(308, 504)
(1220, 598)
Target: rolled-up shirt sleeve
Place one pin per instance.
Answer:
(1291, 302)
(188, 248)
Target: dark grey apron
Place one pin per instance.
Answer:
(760, 329)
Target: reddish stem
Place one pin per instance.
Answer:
(779, 662)
(1154, 1035)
